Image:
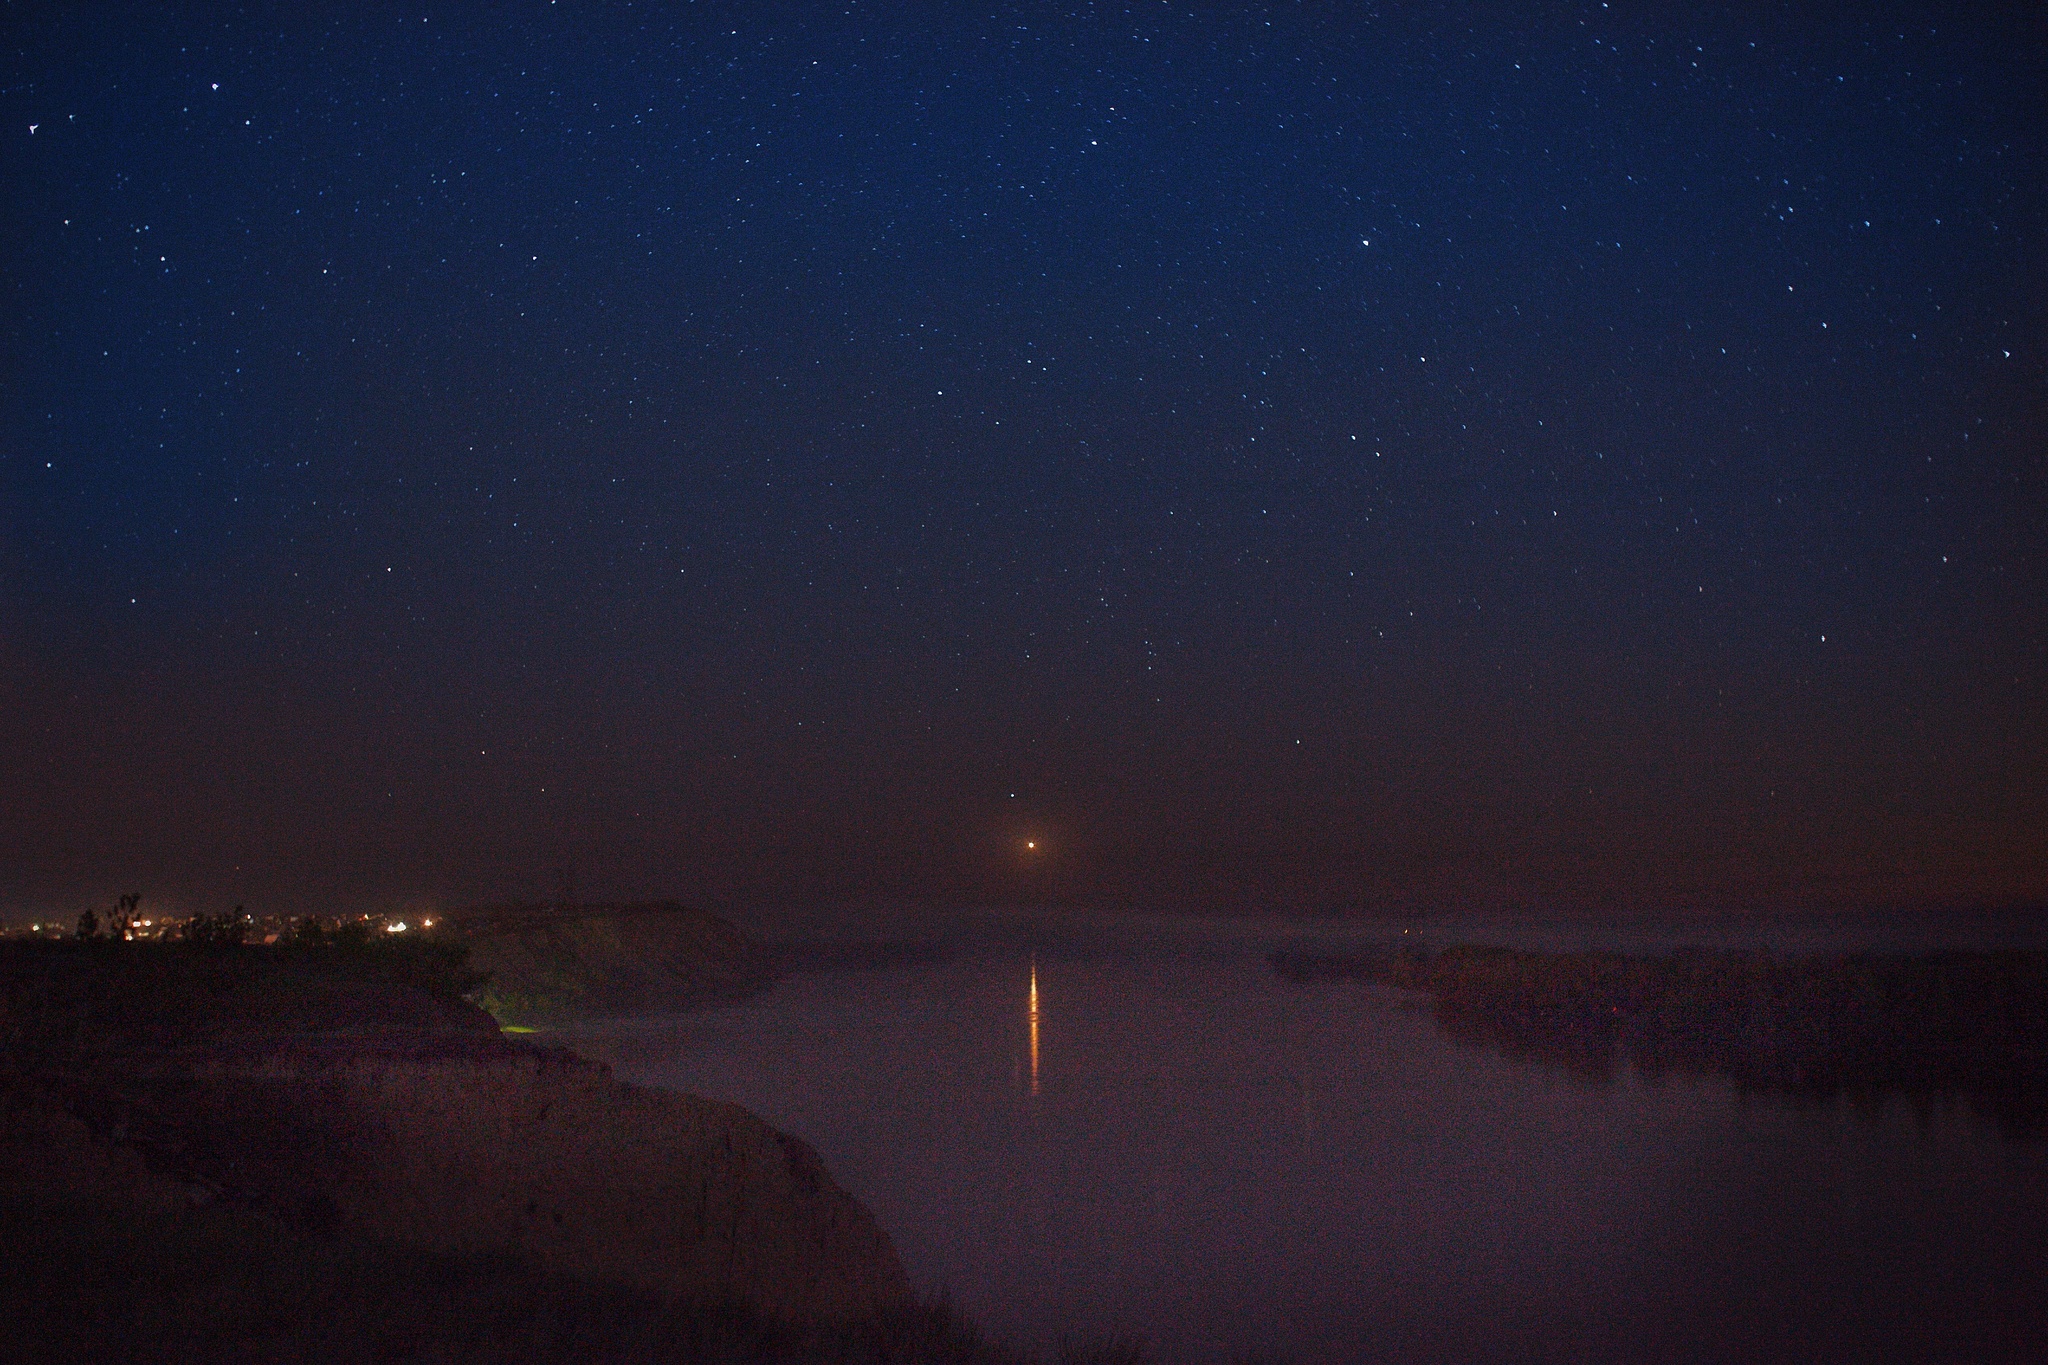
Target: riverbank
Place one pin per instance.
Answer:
(1972, 1025)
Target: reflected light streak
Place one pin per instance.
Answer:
(1033, 1014)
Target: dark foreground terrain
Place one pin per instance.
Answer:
(211, 1151)
(1965, 1025)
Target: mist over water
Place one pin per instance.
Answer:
(1164, 1138)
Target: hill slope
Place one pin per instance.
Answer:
(548, 963)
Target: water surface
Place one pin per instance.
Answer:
(1178, 1144)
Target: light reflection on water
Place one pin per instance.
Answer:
(1189, 1148)
(1031, 1011)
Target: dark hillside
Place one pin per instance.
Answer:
(547, 963)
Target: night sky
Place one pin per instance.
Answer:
(1550, 459)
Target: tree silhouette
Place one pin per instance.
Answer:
(122, 922)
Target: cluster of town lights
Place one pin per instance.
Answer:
(133, 929)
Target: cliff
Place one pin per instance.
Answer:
(536, 1155)
(388, 1114)
(547, 963)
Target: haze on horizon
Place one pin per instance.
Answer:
(1576, 461)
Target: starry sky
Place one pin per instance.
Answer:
(1548, 458)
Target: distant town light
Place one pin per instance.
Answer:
(397, 928)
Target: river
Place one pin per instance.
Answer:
(1168, 1141)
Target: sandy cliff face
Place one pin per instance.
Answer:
(384, 1113)
(539, 1155)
